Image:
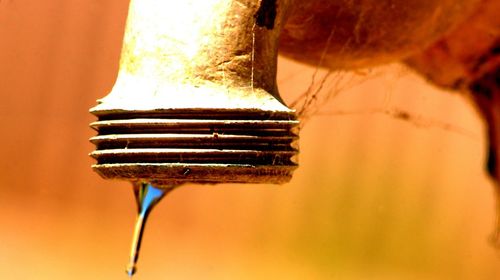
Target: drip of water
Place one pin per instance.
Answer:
(147, 196)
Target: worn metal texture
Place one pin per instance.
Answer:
(179, 150)
(196, 99)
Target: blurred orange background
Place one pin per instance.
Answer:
(375, 197)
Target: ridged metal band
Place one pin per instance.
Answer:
(196, 146)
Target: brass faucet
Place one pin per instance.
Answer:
(196, 99)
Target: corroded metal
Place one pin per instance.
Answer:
(196, 99)
(168, 151)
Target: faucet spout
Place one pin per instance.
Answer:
(196, 98)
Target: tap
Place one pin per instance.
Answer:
(196, 100)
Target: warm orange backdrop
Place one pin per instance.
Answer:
(376, 197)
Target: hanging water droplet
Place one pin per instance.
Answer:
(147, 196)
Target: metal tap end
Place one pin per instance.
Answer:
(174, 147)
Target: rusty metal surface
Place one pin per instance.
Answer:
(202, 108)
(197, 150)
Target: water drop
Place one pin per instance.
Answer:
(147, 197)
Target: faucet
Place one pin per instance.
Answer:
(196, 99)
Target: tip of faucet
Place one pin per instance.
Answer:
(209, 146)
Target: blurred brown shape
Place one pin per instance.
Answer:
(468, 60)
(349, 34)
